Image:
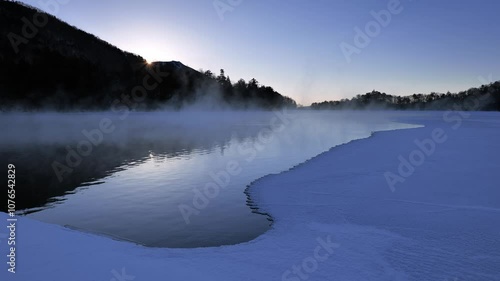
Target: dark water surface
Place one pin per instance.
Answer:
(164, 179)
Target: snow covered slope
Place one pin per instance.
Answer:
(348, 214)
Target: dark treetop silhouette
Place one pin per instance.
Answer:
(48, 64)
(486, 98)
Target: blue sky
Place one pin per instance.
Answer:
(295, 45)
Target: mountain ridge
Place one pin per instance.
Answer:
(46, 63)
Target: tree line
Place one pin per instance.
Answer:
(249, 94)
(484, 98)
(60, 67)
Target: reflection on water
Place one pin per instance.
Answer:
(165, 179)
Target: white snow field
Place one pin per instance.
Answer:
(347, 214)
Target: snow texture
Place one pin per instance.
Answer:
(336, 217)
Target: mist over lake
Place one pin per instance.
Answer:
(166, 179)
(250, 140)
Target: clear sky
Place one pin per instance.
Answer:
(295, 45)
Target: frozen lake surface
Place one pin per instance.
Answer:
(336, 217)
(165, 179)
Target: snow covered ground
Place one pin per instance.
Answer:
(414, 204)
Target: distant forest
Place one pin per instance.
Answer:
(485, 98)
(243, 92)
(48, 64)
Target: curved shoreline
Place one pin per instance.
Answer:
(369, 232)
(254, 205)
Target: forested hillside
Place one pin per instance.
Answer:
(48, 64)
